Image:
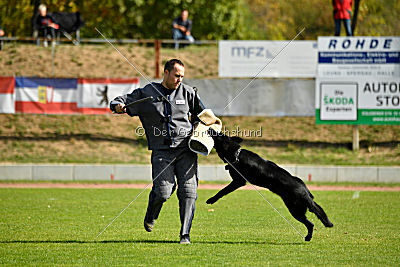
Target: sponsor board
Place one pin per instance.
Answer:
(358, 80)
(250, 59)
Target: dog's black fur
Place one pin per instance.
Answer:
(264, 173)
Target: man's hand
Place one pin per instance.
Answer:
(180, 27)
(120, 108)
(183, 29)
(53, 25)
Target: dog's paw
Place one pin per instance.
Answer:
(308, 238)
(211, 201)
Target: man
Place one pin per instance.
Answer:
(1, 41)
(168, 129)
(45, 23)
(181, 28)
(342, 12)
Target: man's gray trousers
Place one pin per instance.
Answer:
(166, 164)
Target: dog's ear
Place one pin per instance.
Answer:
(236, 139)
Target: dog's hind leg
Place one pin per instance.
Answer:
(298, 211)
(224, 191)
(310, 226)
(317, 210)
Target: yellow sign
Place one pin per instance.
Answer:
(42, 90)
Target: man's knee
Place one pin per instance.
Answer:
(176, 34)
(189, 38)
(188, 190)
(347, 25)
(162, 194)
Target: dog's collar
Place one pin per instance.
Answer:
(237, 156)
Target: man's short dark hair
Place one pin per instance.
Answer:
(169, 65)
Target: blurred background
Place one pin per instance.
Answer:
(212, 20)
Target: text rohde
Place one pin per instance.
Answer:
(360, 44)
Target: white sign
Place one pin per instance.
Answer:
(267, 59)
(358, 56)
(373, 65)
(339, 101)
(97, 93)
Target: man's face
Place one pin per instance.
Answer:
(184, 15)
(173, 78)
(43, 12)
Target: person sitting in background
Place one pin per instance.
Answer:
(45, 23)
(181, 28)
(342, 12)
(1, 34)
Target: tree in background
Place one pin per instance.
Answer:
(282, 19)
(15, 16)
(220, 19)
(217, 19)
(378, 17)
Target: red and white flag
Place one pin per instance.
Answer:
(61, 96)
(7, 94)
(96, 94)
(48, 96)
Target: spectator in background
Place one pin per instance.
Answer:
(45, 23)
(342, 12)
(1, 34)
(181, 28)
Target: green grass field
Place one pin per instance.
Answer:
(59, 226)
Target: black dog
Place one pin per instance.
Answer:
(264, 173)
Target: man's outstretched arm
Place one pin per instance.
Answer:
(118, 104)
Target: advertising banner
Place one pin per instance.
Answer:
(246, 59)
(358, 80)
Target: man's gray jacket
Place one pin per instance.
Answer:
(166, 119)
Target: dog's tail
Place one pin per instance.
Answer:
(317, 210)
